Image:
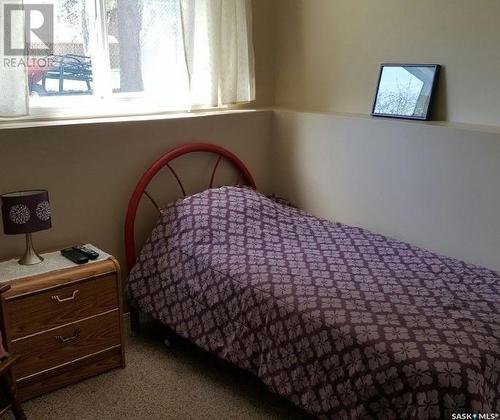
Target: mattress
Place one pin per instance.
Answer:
(345, 323)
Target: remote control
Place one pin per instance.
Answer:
(75, 256)
(89, 253)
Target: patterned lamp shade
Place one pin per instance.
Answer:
(25, 212)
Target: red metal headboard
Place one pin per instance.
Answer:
(140, 189)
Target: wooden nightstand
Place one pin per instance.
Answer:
(66, 325)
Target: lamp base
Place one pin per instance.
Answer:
(30, 256)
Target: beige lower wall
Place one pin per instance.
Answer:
(436, 187)
(91, 169)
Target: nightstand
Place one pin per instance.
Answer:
(64, 323)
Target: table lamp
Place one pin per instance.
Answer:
(26, 212)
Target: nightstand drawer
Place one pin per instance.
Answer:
(68, 343)
(59, 306)
(69, 373)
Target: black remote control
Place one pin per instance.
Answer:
(89, 253)
(75, 256)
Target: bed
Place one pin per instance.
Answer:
(343, 322)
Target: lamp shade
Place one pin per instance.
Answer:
(25, 212)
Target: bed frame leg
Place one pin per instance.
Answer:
(135, 320)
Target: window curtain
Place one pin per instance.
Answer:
(13, 75)
(193, 53)
(219, 53)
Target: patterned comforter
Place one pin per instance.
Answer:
(345, 323)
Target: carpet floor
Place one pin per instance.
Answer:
(160, 383)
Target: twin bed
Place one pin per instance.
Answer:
(345, 323)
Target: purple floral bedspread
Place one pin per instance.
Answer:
(345, 323)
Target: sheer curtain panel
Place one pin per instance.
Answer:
(13, 77)
(219, 51)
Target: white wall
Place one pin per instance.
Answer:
(434, 186)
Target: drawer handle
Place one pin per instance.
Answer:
(62, 339)
(59, 300)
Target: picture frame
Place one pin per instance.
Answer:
(405, 91)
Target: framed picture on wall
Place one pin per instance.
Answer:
(405, 91)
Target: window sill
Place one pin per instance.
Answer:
(29, 122)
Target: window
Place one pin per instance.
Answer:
(70, 69)
(125, 64)
(138, 32)
(152, 54)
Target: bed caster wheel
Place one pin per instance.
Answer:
(168, 343)
(169, 339)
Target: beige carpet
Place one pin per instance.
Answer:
(161, 383)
